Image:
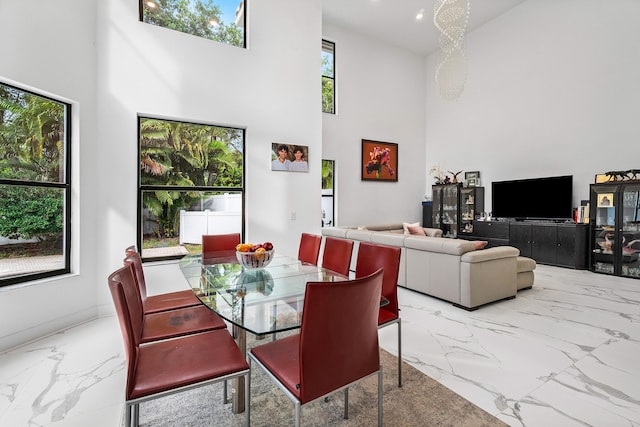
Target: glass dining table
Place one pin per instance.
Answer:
(263, 301)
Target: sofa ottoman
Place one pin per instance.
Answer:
(524, 269)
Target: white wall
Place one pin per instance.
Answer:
(49, 47)
(380, 96)
(552, 89)
(115, 67)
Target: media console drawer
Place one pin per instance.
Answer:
(491, 229)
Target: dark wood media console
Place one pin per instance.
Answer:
(560, 244)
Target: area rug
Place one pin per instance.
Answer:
(421, 401)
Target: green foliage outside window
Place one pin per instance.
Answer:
(31, 151)
(201, 18)
(177, 154)
(328, 77)
(327, 174)
(31, 137)
(31, 212)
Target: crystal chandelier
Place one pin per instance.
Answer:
(450, 18)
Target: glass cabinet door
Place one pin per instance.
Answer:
(467, 210)
(447, 208)
(471, 204)
(450, 210)
(630, 231)
(603, 204)
(437, 206)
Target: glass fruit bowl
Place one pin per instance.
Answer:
(253, 260)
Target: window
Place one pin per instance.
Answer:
(220, 20)
(328, 77)
(328, 193)
(191, 183)
(35, 186)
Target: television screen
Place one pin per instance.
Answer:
(539, 198)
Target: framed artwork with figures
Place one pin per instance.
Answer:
(289, 157)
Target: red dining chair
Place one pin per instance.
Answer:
(162, 302)
(214, 243)
(337, 255)
(172, 323)
(372, 257)
(309, 249)
(337, 345)
(161, 368)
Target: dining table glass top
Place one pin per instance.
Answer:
(262, 301)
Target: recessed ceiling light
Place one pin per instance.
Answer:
(213, 22)
(420, 15)
(151, 5)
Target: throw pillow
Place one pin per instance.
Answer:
(480, 244)
(405, 226)
(416, 230)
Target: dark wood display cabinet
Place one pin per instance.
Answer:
(614, 235)
(454, 208)
(560, 244)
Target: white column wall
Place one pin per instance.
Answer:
(380, 96)
(552, 89)
(49, 47)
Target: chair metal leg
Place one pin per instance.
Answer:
(399, 353)
(135, 414)
(247, 396)
(298, 414)
(346, 403)
(380, 397)
(127, 414)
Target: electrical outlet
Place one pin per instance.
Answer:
(292, 215)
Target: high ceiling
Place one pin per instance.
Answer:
(394, 21)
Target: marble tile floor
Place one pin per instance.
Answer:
(565, 353)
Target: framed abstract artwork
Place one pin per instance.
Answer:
(379, 161)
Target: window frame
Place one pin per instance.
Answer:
(332, 78)
(146, 187)
(331, 195)
(244, 24)
(64, 186)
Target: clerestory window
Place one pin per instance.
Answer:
(328, 77)
(220, 20)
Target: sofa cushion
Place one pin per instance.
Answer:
(525, 264)
(438, 244)
(335, 231)
(385, 227)
(388, 238)
(489, 254)
(361, 235)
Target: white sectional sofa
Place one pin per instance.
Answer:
(449, 269)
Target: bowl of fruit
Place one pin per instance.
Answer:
(254, 256)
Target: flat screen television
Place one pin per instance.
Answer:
(539, 198)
